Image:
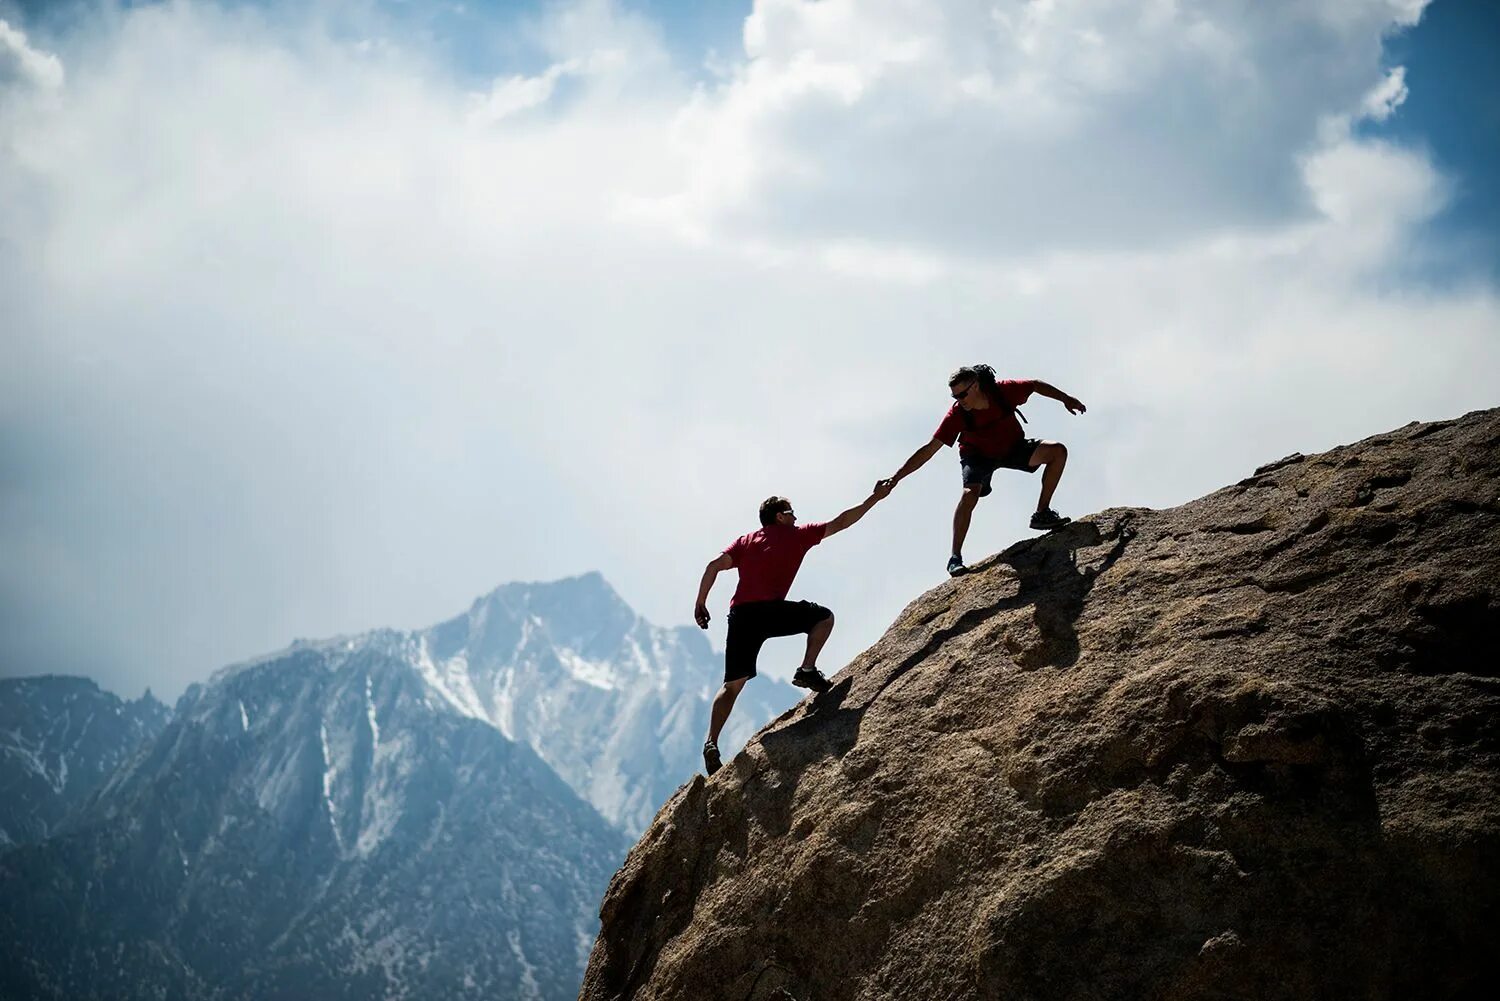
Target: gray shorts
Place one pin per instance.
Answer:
(978, 469)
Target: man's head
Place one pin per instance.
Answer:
(777, 511)
(972, 386)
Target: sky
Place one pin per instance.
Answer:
(322, 317)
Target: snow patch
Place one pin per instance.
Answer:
(32, 760)
(370, 715)
(596, 673)
(328, 776)
(526, 626)
(502, 699)
(529, 987)
(451, 680)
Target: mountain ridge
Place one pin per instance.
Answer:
(378, 813)
(314, 825)
(61, 737)
(612, 702)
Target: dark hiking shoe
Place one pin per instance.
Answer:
(956, 566)
(811, 678)
(711, 762)
(1048, 518)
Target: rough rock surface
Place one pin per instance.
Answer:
(60, 739)
(1244, 748)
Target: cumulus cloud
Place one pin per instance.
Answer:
(21, 63)
(314, 336)
(513, 94)
(1022, 128)
(1382, 101)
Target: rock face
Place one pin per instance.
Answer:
(60, 739)
(1244, 748)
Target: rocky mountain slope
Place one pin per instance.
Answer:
(395, 814)
(60, 739)
(617, 706)
(1244, 748)
(319, 824)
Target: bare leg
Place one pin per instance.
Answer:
(961, 516)
(723, 702)
(1053, 456)
(816, 637)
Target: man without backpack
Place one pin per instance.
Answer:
(983, 421)
(768, 560)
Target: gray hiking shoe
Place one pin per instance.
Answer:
(956, 566)
(711, 762)
(1048, 518)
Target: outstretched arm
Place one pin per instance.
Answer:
(710, 574)
(849, 517)
(917, 461)
(1073, 403)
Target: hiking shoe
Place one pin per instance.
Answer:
(811, 678)
(956, 566)
(711, 762)
(1048, 518)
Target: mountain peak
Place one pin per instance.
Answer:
(581, 613)
(590, 587)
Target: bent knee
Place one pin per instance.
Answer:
(1050, 451)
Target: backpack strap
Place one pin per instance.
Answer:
(1003, 403)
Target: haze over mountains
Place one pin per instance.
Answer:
(431, 813)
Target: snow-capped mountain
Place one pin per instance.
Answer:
(400, 814)
(322, 823)
(60, 739)
(616, 705)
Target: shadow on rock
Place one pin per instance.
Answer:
(825, 729)
(1053, 582)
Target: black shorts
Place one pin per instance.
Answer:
(979, 468)
(754, 622)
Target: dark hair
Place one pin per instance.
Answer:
(771, 507)
(982, 374)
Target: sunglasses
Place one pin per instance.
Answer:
(961, 393)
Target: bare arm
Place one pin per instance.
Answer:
(917, 461)
(849, 517)
(1073, 403)
(710, 574)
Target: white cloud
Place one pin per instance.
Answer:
(312, 338)
(26, 65)
(984, 128)
(513, 94)
(20, 62)
(1388, 95)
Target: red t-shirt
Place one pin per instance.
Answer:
(995, 429)
(769, 558)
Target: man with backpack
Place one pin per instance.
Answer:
(983, 421)
(768, 560)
